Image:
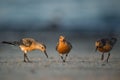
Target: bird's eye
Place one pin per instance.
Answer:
(42, 47)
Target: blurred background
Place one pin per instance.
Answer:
(70, 15)
(81, 21)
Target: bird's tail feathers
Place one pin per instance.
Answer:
(15, 43)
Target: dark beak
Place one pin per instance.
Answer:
(46, 54)
(96, 49)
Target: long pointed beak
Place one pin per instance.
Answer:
(46, 54)
(96, 49)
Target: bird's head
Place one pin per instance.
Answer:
(61, 38)
(42, 48)
(98, 43)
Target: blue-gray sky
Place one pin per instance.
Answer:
(66, 14)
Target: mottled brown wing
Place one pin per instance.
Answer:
(26, 42)
(69, 44)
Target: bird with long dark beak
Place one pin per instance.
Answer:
(105, 45)
(28, 44)
(63, 47)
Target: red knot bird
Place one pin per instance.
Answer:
(105, 45)
(63, 47)
(26, 45)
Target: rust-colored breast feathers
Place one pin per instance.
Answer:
(104, 48)
(63, 47)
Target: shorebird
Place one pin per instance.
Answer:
(105, 45)
(26, 45)
(63, 47)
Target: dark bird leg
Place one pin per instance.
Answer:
(65, 57)
(26, 57)
(96, 49)
(102, 57)
(108, 56)
(62, 58)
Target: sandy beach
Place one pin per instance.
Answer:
(83, 63)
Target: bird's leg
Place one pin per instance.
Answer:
(102, 57)
(108, 56)
(61, 57)
(27, 58)
(96, 49)
(24, 57)
(65, 57)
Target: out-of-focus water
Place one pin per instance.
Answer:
(66, 14)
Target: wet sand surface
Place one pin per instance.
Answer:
(83, 63)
